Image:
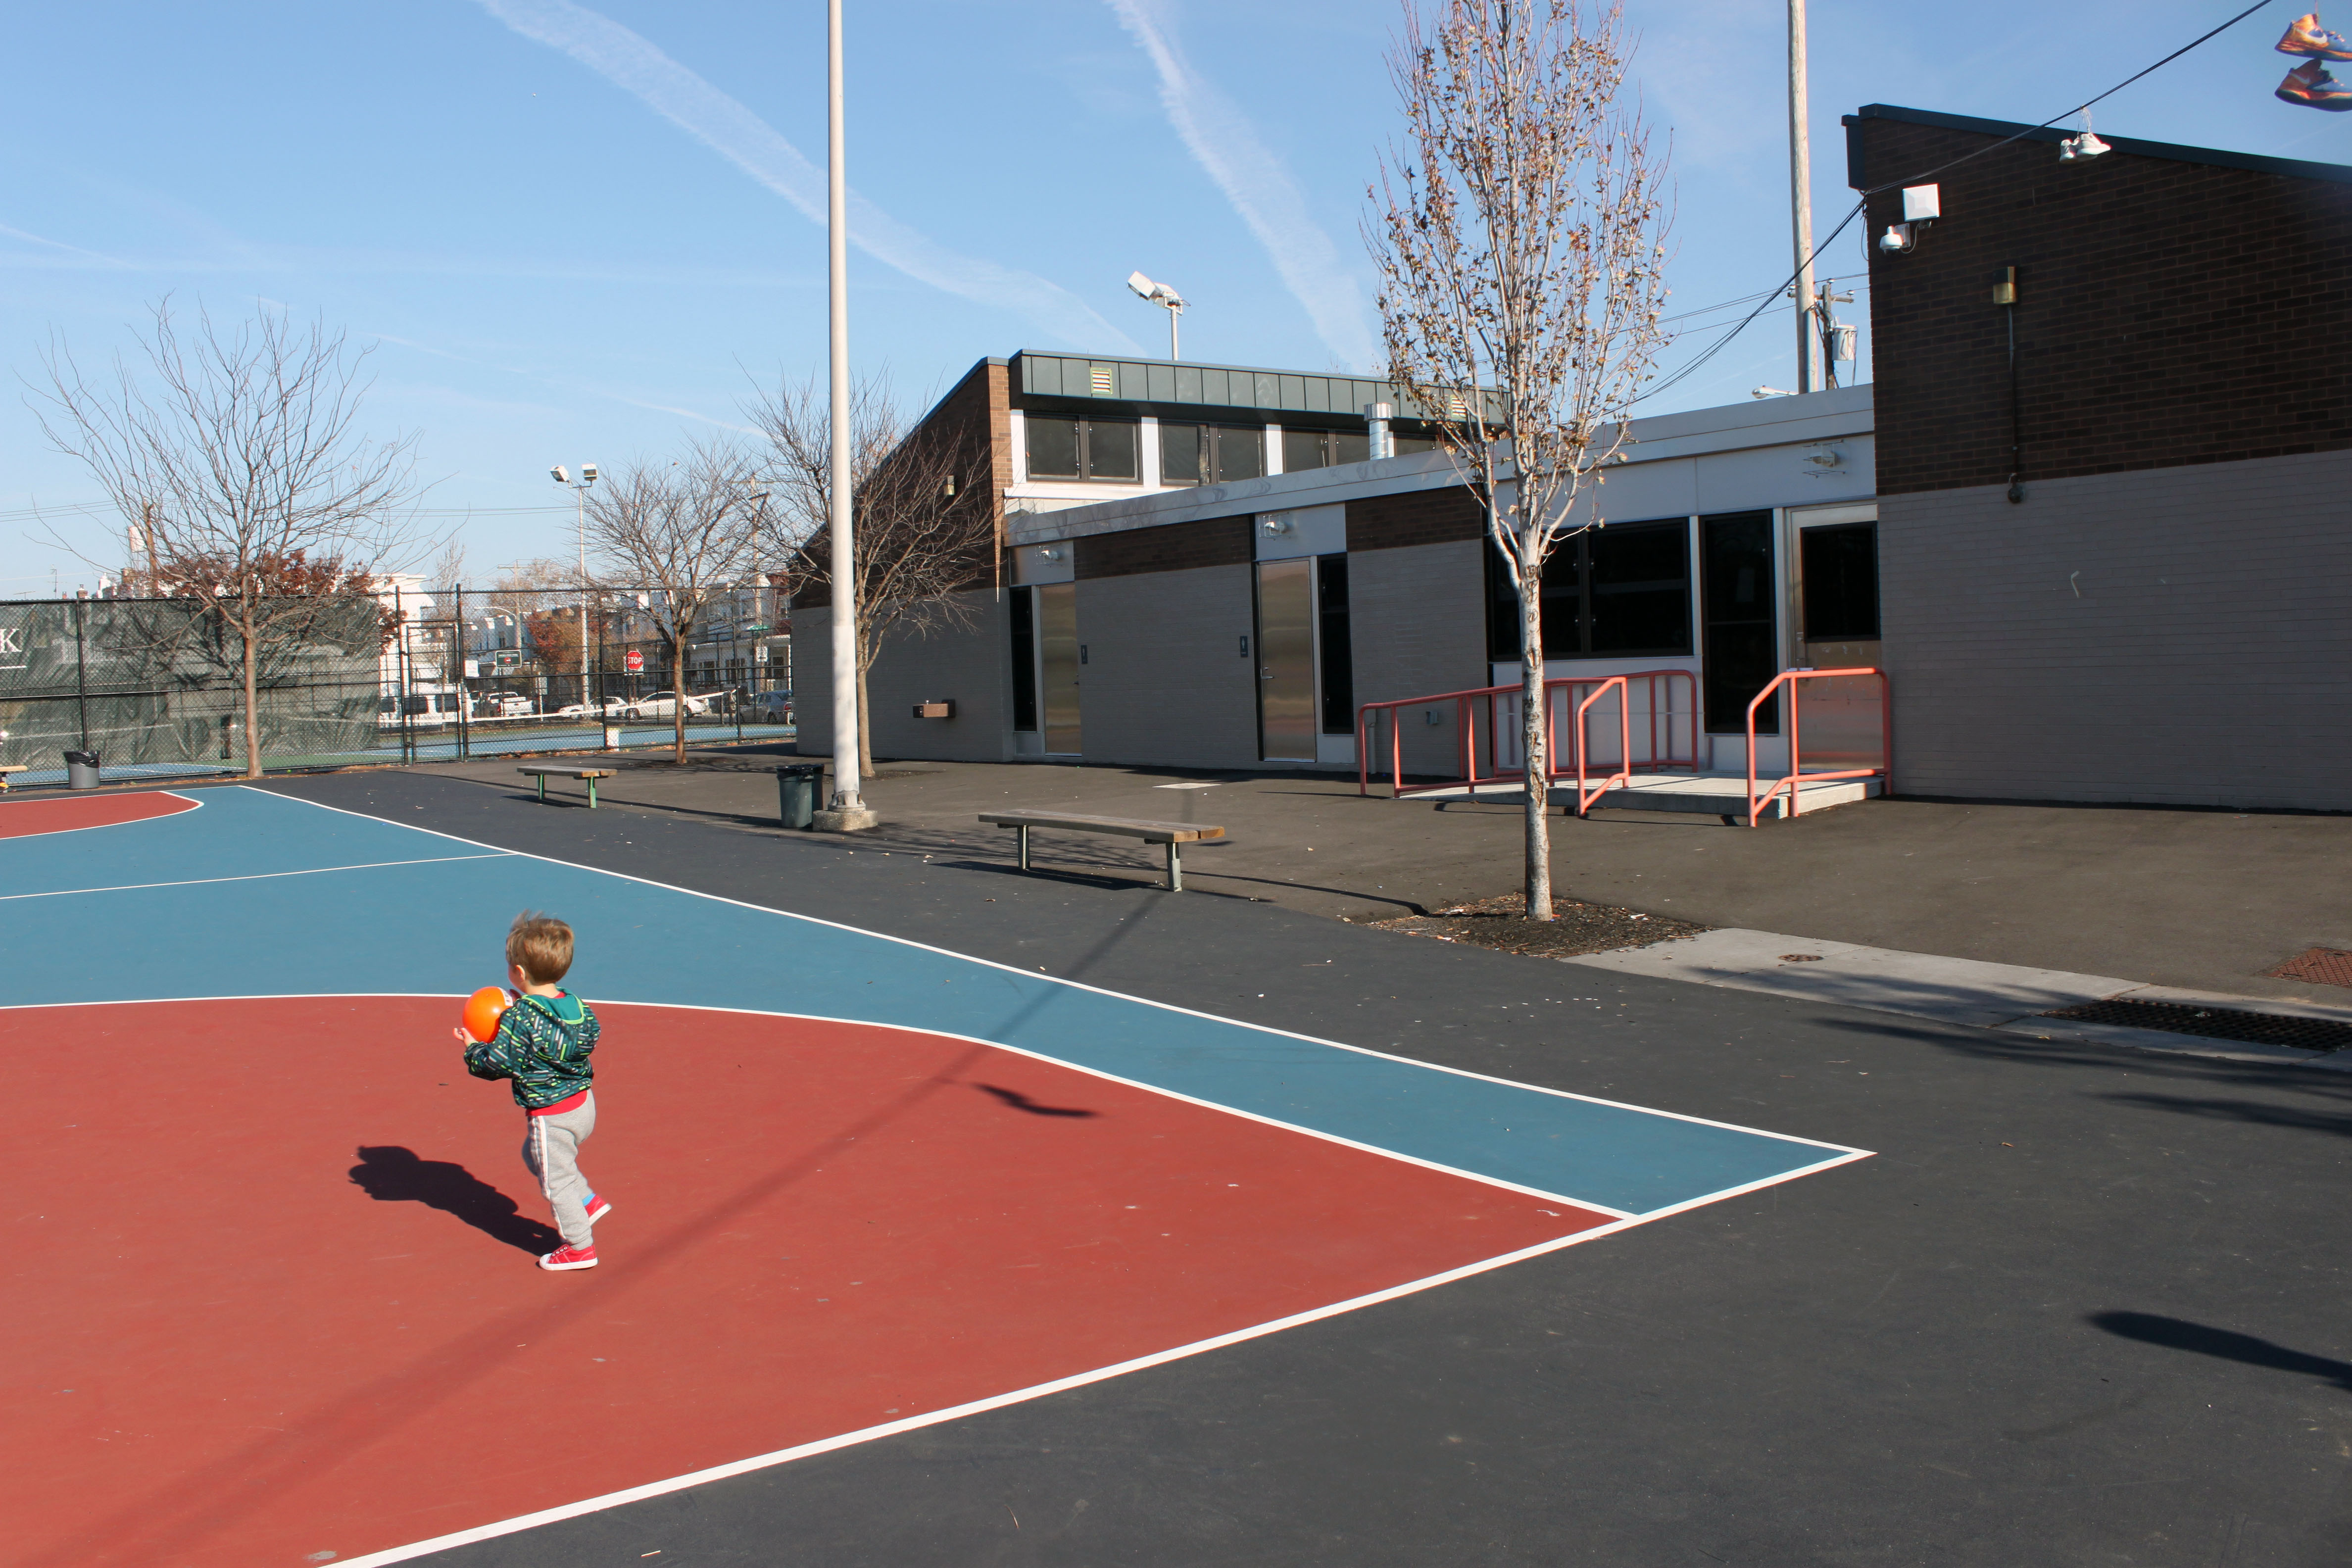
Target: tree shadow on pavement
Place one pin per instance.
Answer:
(2177, 1334)
(395, 1176)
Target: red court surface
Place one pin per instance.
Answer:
(270, 1293)
(20, 818)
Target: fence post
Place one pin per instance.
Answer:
(81, 674)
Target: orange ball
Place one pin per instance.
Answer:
(483, 1009)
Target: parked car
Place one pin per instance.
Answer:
(418, 710)
(664, 705)
(505, 705)
(769, 708)
(613, 708)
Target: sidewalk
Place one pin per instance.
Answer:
(2198, 902)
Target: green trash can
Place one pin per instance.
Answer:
(796, 790)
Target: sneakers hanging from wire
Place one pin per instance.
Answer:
(2310, 85)
(2304, 36)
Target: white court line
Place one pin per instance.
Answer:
(1020, 1397)
(1080, 984)
(194, 804)
(254, 877)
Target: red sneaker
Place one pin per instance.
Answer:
(569, 1257)
(597, 1208)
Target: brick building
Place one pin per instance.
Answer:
(2117, 559)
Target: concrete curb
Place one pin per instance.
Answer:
(2005, 996)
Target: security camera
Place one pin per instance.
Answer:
(562, 475)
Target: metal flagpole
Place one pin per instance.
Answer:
(845, 811)
(1800, 193)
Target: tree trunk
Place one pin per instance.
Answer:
(865, 727)
(677, 692)
(252, 700)
(1533, 738)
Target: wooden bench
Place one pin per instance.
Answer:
(1173, 834)
(7, 768)
(543, 771)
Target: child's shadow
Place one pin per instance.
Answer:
(395, 1176)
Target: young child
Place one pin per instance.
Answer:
(543, 1044)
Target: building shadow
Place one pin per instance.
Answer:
(395, 1176)
(2177, 1334)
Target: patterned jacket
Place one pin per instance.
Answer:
(542, 1044)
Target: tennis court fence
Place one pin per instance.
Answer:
(155, 687)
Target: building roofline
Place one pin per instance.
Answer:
(2293, 168)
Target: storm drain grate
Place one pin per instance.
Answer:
(2215, 1023)
(2318, 966)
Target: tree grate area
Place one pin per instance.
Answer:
(1501, 923)
(2316, 966)
(2215, 1023)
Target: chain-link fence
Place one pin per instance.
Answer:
(155, 687)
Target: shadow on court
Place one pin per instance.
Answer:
(2176, 1334)
(395, 1176)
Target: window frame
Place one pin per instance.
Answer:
(1205, 435)
(1085, 474)
(1573, 556)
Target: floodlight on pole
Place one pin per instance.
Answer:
(1159, 294)
(587, 477)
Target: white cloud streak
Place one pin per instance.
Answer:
(1227, 146)
(725, 126)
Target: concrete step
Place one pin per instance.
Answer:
(1716, 794)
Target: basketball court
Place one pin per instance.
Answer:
(272, 1289)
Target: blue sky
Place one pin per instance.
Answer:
(575, 233)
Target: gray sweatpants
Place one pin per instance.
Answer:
(551, 1147)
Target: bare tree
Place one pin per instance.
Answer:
(925, 519)
(688, 529)
(1519, 235)
(236, 454)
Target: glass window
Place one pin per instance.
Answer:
(1082, 449)
(1405, 444)
(1737, 574)
(1022, 602)
(1110, 449)
(1615, 591)
(1841, 569)
(1179, 454)
(1240, 452)
(1338, 656)
(1053, 448)
(1302, 450)
(1350, 446)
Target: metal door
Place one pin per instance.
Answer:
(1285, 653)
(1057, 649)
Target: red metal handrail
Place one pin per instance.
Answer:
(1662, 717)
(1789, 678)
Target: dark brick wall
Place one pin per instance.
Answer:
(1415, 517)
(2168, 313)
(1172, 547)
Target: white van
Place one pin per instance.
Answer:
(418, 710)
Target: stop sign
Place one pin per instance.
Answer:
(636, 662)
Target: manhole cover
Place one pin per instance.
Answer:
(2215, 1023)
(2319, 965)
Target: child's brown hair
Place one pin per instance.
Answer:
(540, 946)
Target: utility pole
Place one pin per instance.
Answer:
(1800, 193)
(845, 813)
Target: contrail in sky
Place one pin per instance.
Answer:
(752, 145)
(1253, 180)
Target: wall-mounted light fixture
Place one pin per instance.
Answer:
(1049, 553)
(1274, 524)
(1922, 205)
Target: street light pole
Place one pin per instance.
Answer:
(1801, 195)
(580, 492)
(847, 811)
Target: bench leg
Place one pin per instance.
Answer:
(542, 780)
(1021, 829)
(592, 794)
(1175, 868)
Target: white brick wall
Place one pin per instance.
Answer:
(2176, 636)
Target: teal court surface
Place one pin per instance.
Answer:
(271, 1288)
